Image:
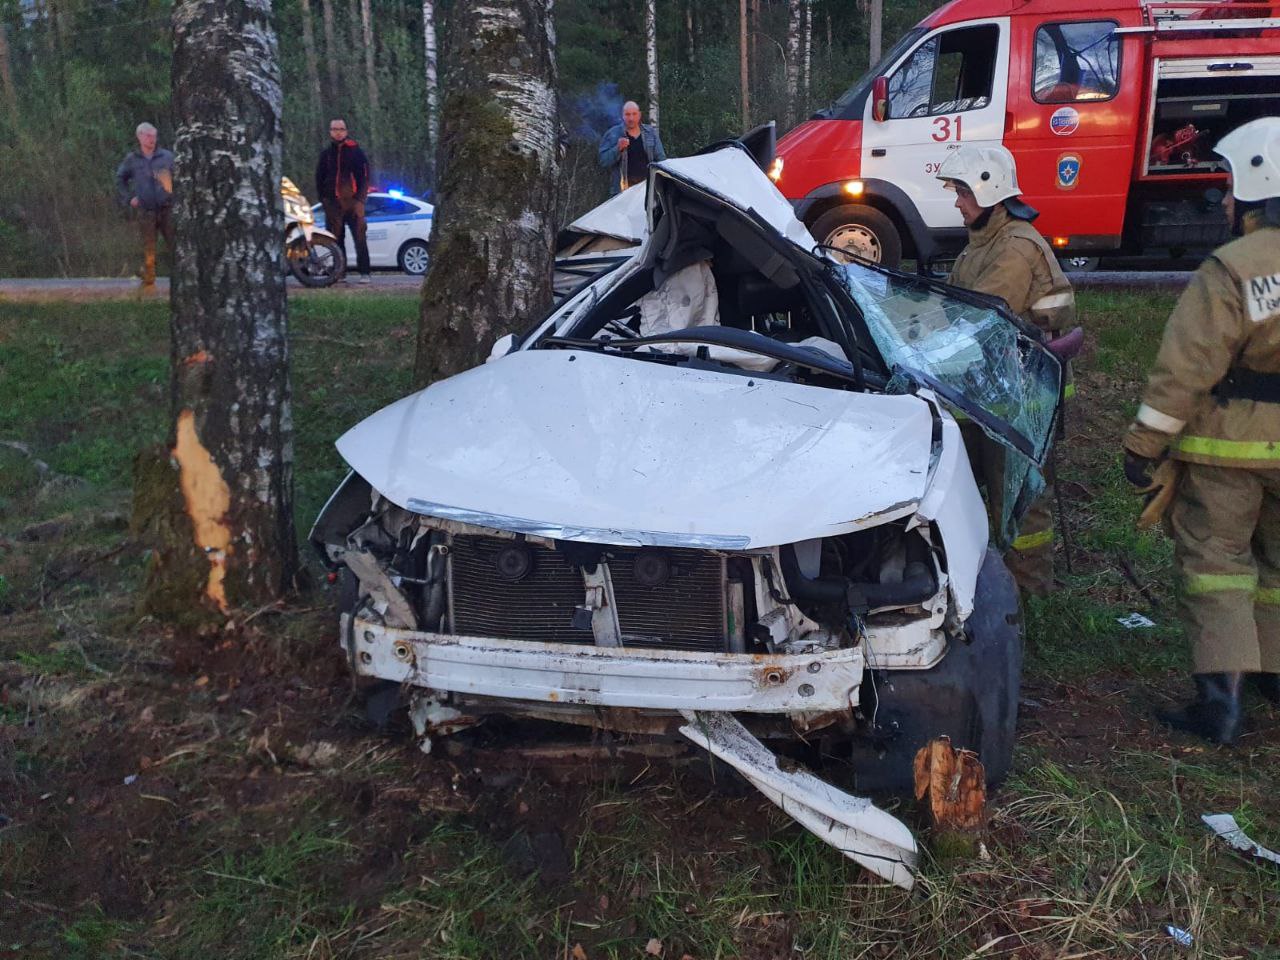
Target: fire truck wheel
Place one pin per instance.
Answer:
(861, 230)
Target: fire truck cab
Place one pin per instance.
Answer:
(1111, 108)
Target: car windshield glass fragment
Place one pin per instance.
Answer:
(975, 359)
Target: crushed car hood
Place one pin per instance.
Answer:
(576, 445)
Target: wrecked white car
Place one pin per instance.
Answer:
(720, 488)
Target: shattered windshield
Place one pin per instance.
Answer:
(977, 360)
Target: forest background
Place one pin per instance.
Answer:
(77, 76)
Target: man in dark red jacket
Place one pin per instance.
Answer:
(342, 183)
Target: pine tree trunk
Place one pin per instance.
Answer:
(6, 80)
(651, 56)
(753, 64)
(370, 77)
(793, 59)
(744, 76)
(216, 504)
(313, 64)
(490, 268)
(330, 52)
(433, 86)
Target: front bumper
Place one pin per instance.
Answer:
(605, 676)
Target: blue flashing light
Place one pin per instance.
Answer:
(395, 192)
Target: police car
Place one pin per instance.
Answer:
(399, 231)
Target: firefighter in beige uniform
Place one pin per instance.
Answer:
(1006, 257)
(1213, 402)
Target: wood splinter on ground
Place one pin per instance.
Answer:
(955, 783)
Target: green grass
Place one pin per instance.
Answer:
(86, 386)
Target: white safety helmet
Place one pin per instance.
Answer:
(1253, 151)
(989, 172)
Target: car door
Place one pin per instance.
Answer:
(377, 226)
(977, 357)
(949, 89)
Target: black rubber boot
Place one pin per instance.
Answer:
(1215, 713)
(1267, 685)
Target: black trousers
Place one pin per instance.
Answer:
(340, 214)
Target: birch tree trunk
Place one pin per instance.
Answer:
(651, 56)
(793, 58)
(876, 26)
(313, 64)
(744, 76)
(6, 80)
(432, 84)
(330, 52)
(217, 502)
(491, 258)
(808, 51)
(370, 78)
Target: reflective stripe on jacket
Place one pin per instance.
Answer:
(1229, 316)
(1008, 258)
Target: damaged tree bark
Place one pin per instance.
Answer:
(216, 503)
(490, 270)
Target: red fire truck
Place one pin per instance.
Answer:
(1111, 108)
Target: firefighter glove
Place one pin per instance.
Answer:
(1138, 470)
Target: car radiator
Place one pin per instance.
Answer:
(685, 613)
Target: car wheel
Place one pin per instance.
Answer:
(971, 695)
(860, 230)
(414, 257)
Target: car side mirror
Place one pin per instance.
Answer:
(880, 99)
(502, 347)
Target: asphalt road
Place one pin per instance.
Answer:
(120, 288)
(111, 288)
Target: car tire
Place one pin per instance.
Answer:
(862, 230)
(414, 257)
(971, 695)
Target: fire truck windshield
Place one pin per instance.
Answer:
(856, 94)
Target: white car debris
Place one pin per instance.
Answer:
(719, 490)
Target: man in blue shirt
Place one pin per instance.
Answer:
(627, 149)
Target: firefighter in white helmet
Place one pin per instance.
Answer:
(1006, 257)
(1213, 403)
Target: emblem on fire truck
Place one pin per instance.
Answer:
(1068, 171)
(1065, 121)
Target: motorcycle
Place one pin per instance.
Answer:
(313, 253)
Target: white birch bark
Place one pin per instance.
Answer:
(433, 85)
(794, 16)
(651, 56)
(808, 50)
(495, 222)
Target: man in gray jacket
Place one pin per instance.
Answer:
(627, 149)
(144, 181)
